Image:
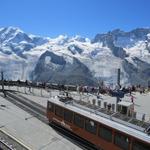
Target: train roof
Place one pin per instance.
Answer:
(107, 118)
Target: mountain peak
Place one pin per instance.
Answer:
(14, 40)
(11, 30)
(14, 28)
(117, 31)
(79, 38)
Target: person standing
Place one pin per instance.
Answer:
(132, 99)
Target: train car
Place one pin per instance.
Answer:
(102, 128)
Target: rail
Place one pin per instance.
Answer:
(7, 142)
(4, 145)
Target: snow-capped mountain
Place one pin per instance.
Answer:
(15, 41)
(134, 49)
(76, 60)
(61, 69)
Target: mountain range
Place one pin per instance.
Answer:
(76, 60)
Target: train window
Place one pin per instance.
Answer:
(58, 111)
(140, 146)
(90, 126)
(50, 106)
(122, 141)
(79, 120)
(68, 115)
(105, 133)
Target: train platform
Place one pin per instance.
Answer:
(141, 101)
(40, 96)
(28, 131)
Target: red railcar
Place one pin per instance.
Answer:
(105, 132)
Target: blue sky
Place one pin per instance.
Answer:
(74, 17)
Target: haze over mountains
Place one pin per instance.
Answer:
(76, 60)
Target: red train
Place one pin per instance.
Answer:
(105, 133)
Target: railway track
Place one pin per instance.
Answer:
(29, 106)
(9, 143)
(39, 112)
(4, 145)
